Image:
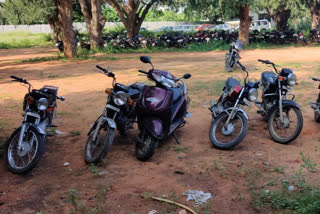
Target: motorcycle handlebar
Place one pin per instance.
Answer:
(19, 79)
(109, 74)
(242, 67)
(315, 79)
(266, 62)
(144, 72)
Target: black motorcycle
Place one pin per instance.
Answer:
(25, 146)
(229, 121)
(284, 115)
(316, 105)
(162, 109)
(232, 57)
(119, 113)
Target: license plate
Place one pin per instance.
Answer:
(113, 108)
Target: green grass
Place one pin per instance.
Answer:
(24, 40)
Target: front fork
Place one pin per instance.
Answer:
(231, 115)
(23, 129)
(280, 102)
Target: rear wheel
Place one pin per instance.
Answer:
(20, 161)
(289, 129)
(97, 149)
(145, 146)
(228, 136)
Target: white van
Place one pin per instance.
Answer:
(260, 25)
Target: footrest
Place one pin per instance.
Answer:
(260, 112)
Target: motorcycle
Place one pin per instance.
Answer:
(162, 109)
(316, 105)
(276, 107)
(232, 57)
(119, 113)
(25, 146)
(229, 121)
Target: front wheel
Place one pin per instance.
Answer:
(224, 136)
(21, 161)
(287, 130)
(97, 149)
(145, 146)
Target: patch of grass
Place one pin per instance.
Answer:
(74, 198)
(279, 169)
(181, 149)
(212, 87)
(40, 59)
(75, 133)
(308, 163)
(52, 76)
(24, 40)
(304, 198)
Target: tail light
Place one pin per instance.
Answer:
(234, 91)
(50, 109)
(300, 34)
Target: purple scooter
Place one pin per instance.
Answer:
(161, 110)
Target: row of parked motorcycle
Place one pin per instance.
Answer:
(159, 110)
(180, 40)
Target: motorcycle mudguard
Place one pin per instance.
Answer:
(154, 126)
(103, 120)
(228, 111)
(40, 130)
(285, 103)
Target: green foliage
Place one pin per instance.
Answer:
(165, 15)
(198, 10)
(110, 14)
(27, 12)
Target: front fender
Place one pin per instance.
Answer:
(154, 126)
(102, 121)
(40, 130)
(285, 103)
(228, 111)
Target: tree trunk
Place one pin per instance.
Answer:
(132, 13)
(91, 10)
(55, 26)
(245, 22)
(281, 18)
(315, 16)
(65, 17)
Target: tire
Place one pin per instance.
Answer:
(275, 114)
(146, 148)
(12, 144)
(228, 63)
(104, 140)
(220, 120)
(317, 115)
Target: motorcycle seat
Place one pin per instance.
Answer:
(230, 82)
(268, 78)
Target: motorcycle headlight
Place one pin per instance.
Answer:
(253, 94)
(292, 79)
(42, 104)
(120, 98)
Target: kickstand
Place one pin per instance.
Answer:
(176, 138)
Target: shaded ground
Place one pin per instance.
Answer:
(124, 185)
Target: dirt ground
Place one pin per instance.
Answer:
(123, 185)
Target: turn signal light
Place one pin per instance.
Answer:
(30, 100)
(50, 108)
(108, 90)
(131, 102)
(280, 78)
(297, 83)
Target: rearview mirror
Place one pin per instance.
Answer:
(145, 59)
(186, 76)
